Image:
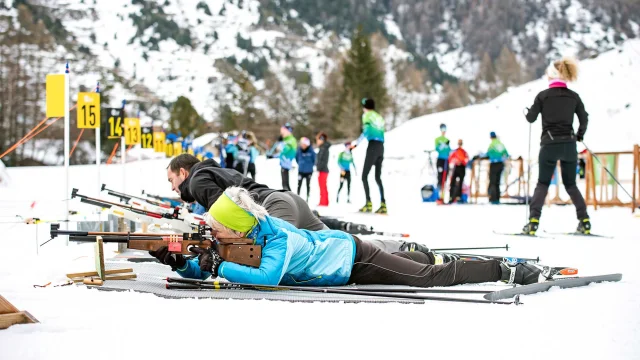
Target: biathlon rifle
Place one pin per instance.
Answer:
(176, 243)
(109, 204)
(239, 251)
(181, 211)
(126, 197)
(164, 198)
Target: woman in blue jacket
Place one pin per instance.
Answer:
(306, 159)
(291, 256)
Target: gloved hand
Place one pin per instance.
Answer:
(176, 261)
(209, 260)
(580, 138)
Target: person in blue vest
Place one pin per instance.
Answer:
(291, 256)
(345, 162)
(306, 159)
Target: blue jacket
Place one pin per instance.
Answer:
(306, 159)
(290, 256)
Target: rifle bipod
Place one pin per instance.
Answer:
(400, 293)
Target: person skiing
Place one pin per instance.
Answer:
(306, 159)
(443, 149)
(287, 147)
(323, 144)
(558, 104)
(497, 155)
(373, 130)
(459, 159)
(345, 161)
(291, 256)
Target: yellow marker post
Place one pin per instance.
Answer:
(177, 148)
(132, 132)
(88, 110)
(147, 138)
(168, 148)
(158, 142)
(55, 95)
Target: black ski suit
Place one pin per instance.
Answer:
(558, 143)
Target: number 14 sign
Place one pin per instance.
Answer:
(88, 110)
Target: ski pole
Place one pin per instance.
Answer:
(607, 170)
(526, 198)
(506, 247)
(371, 294)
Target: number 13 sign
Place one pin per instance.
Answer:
(132, 133)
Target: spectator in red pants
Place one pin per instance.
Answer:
(322, 165)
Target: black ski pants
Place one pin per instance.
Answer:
(252, 170)
(374, 266)
(302, 177)
(457, 179)
(495, 171)
(345, 176)
(285, 179)
(550, 154)
(374, 157)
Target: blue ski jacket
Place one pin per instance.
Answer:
(306, 159)
(290, 256)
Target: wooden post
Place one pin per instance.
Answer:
(122, 227)
(10, 315)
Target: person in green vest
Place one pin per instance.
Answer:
(443, 149)
(345, 161)
(288, 147)
(373, 128)
(497, 155)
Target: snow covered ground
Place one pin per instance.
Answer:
(598, 321)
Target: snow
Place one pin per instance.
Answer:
(598, 321)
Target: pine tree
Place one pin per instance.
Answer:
(363, 77)
(184, 118)
(451, 97)
(508, 69)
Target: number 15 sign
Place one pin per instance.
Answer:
(88, 110)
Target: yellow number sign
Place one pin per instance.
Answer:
(147, 137)
(88, 110)
(132, 133)
(114, 117)
(158, 141)
(177, 148)
(168, 148)
(55, 95)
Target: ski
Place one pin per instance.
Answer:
(575, 233)
(521, 234)
(214, 285)
(381, 233)
(545, 286)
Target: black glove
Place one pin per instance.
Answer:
(209, 260)
(176, 261)
(475, 158)
(580, 137)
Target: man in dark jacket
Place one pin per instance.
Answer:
(322, 165)
(205, 181)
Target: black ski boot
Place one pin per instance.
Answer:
(531, 227)
(412, 246)
(522, 273)
(584, 226)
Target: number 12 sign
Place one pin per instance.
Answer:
(88, 110)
